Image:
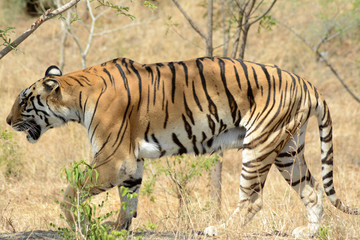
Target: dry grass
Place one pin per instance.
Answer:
(28, 203)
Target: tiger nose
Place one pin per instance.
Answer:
(8, 120)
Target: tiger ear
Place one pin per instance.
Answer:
(53, 71)
(52, 85)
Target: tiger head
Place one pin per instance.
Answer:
(36, 109)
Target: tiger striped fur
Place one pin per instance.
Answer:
(134, 111)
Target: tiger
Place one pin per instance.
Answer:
(135, 111)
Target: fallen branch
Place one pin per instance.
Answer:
(46, 16)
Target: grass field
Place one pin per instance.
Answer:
(27, 201)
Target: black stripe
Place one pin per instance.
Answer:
(237, 77)
(188, 111)
(330, 192)
(173, 81)
(109, 75)
(102, 147)
(148, 99)
(185, 72)
(232, 103)
(131, 182)
(95, 108)
(126, 85)
(76, 80)
(39, 101)
(163, 95)
(147, 132)
(328, 175)
(212, 106)
(196, 98)
(151, 73)
(158, 77)
(187, 126)
(166, 114)
(255, 77)
(162, 152)
(93, 133)
(279, 76)
(327, 138)
(196, 150)
(250, 94)
(211, 124)
(328, 159)
(182, 149)
(283, 165)
(56, 115)
(139, 79)
(210, 142)
(85, 79)
(326, 185)
(222, 126)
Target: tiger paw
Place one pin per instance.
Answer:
(306, 231)
(211, 231)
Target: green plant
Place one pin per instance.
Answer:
(4, 35)
(10, 155)
(124, 10)
(324, 233)
(82, 177)
(266, 22)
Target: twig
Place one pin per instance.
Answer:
(123, 27)
(46, 16)
(315, 49)
(192, 23)
(264, 14)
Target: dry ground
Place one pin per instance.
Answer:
(27, 202)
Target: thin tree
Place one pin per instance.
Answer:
(247, 15)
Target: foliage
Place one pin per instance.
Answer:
(324, 233)
(10, 155)
(124, 10)
(267, 22)
(4, 36)
(82, 177)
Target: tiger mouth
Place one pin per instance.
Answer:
(31, 128)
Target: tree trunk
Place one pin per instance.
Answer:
(243, 41)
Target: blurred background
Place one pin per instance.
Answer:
(306, 37)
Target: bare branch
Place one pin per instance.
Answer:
(46, 16)
(264, 14)
(193, 25)
(124, 27)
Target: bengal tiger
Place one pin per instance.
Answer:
(134, 111)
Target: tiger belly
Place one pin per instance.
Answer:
(173, 144)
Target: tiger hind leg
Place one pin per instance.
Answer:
(291, 164)
(255, 169)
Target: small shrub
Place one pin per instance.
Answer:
(10, 155)
(88, 221)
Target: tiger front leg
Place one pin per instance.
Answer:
(96, 181)
(128, 192)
